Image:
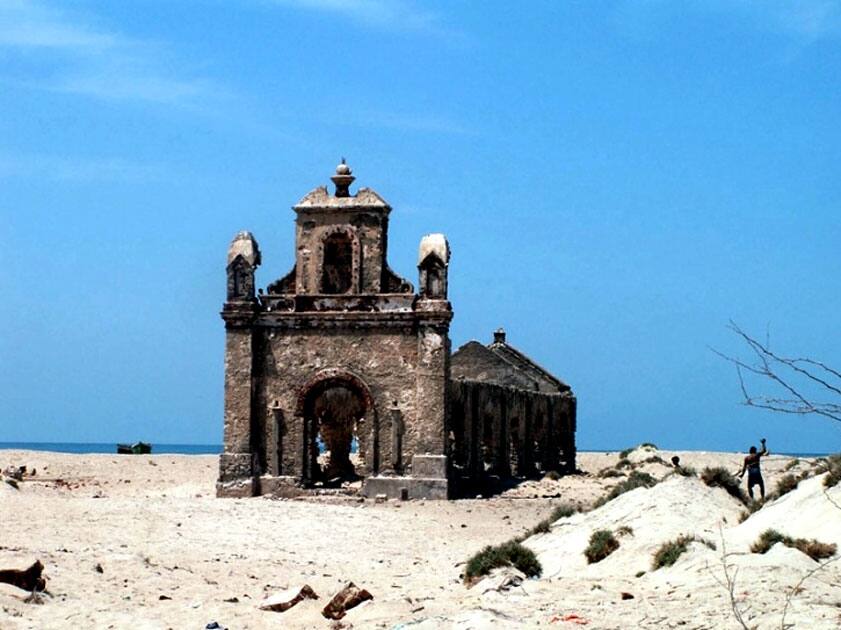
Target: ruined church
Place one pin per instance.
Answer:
(340, 371)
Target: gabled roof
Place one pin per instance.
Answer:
(502, 364)
(475, 362)
(546, 381)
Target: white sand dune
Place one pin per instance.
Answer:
(153, 525)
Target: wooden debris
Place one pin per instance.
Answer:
(28, 579)
(349, 597)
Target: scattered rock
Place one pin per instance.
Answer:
(231, 600)
(625, 595)
(162, 598)
(381, 498)
(284, 600)
(98, 568)
(349, 597)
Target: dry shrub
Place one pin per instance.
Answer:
(510, 553)
(636, 479)
(624, 462)
(786, 484)
(815, 549)
(545, 526)
(833, 469)
(686, 471)
(553, 475)
(670, 551)
(792, 464)
(606, 473)
(624, 453)
(719, 477)
(562, 511)
(602, 544)
(655, 459)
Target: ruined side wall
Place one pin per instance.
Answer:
(385, 360)
(508, 431)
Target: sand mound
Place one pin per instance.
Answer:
(805, 512)
(676, 506)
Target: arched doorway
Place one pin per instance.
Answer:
(338, 417)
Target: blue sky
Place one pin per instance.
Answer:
(617, 181)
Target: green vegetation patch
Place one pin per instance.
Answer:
(563, 511)
(602, 544)
(670, 551)
(686, 471)
(833, 470)
(545, 526)
(508, 554)
(815, 549)
(636, 479)
(719, 477)
(786, 484)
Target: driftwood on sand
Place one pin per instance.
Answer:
(27, 579)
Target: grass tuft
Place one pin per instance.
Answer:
(686, 471)
(563, 511)
(792, 464)
(648, 445)
(636, 479)
(624, 453)
(670, 551)
(655, 459)
(833, 468)
(721, 478)
(815, 549)
(606, 473)
(602, 544)
(510, 553)
(786, 484)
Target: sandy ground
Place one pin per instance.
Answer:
(153, 525)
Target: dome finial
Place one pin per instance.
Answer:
(343, 179)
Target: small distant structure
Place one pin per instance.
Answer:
(342, 351)
(138, 448)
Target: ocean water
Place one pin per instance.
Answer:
(213, 449)
(111, 447)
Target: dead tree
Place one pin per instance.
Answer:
(795, 378)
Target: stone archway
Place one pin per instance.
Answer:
(338, 412)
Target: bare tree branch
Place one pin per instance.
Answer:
(785, 373)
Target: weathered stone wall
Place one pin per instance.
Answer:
(503, 430)
(290, 361)
(366, 230)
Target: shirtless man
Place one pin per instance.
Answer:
(751, 465)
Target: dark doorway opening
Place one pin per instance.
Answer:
(335, 411)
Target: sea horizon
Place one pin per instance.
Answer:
(161, 448)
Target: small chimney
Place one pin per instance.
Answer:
(499, 335)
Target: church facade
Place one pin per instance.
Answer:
(341, 372)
